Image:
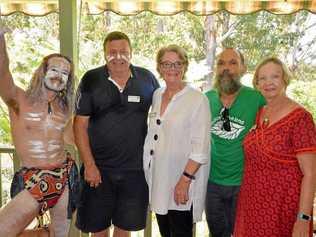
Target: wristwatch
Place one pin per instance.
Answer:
(190, 176)
(302, 216)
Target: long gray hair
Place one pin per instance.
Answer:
(35, 91)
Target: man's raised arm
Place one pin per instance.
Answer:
(7, 88)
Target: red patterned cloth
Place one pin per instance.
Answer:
(46, 186)
(269, 195)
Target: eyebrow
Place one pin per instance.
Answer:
(167, 61)
(55, 67)
(230, 60)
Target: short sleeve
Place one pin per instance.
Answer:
(83, 98)
(155, 82)
(200, 132)
(304, 133)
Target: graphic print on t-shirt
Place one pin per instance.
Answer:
(237, 126)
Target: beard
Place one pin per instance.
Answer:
(54, 86)
(227, 82)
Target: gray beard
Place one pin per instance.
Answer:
(53, 88)
(227, 84)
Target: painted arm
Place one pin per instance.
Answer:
(8, 91)
(91, 172)
(307, 163)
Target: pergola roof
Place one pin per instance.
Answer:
(161, 7)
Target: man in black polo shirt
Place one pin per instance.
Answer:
(110, 128)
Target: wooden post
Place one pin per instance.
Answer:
(0, 182)
(68, 22)
(68, 33)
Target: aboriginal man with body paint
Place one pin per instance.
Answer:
(38, 119)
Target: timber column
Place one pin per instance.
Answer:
(68, 22)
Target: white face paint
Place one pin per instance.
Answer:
(56, 79)
(118, 56)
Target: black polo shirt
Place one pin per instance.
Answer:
(117, 121)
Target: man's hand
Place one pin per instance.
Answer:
(181, 191)
(92, 175)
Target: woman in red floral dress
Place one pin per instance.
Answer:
(277, 192)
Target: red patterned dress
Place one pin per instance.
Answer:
(269, 195)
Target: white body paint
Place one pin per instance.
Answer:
(53, 145)
(34, 116)
(55, 123)
(36, 147)
(56, 79)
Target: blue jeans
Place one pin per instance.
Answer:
(220, 208)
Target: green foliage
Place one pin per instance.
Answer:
(7, 174)
(31, 39)
(5, 134)
(147, 32)
(261, 35)
(299, 91)
(256, 35)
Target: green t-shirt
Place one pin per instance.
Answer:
(227, 156)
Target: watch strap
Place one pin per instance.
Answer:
(190, 176)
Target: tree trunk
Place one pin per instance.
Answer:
(211, 44)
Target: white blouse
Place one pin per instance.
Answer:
(180, 134)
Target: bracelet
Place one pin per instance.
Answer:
(302, 216)
(190, 176)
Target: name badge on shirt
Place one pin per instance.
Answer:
(133, 98)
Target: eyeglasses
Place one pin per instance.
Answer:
(170, 65)
(225, 119)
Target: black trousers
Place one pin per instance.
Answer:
(176, 224)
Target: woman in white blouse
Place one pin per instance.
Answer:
(176, 152)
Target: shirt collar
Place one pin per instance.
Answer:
(179, 93)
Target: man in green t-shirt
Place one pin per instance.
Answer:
(233, 109)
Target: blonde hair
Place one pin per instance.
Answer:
(275, 60)
(35, 90)
(176, 49)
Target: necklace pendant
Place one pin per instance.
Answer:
(265, 122)
(49, 108)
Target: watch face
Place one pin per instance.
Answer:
(305, 217)
(302, 216)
